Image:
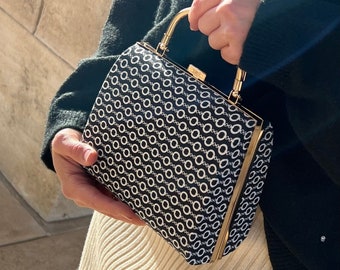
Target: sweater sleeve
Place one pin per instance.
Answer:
(284, 30)
(294, 45)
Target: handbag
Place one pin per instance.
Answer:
(189, 160)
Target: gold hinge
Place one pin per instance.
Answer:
(234, 95)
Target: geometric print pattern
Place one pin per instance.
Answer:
(171, 147)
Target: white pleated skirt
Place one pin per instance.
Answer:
(115, 245)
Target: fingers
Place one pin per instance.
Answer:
(67, 143)
(225, 22)
(230, 55)
(69, 153)
(229, 46)
(198, 8)
(208, 22)
(89, 196)
(218, 21)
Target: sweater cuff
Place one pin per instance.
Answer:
(61, 121)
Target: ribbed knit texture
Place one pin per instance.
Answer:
(284, 259)
(114, 245)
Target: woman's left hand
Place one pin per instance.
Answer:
(226, 23)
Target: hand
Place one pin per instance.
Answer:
(69, 155)
(226, 23)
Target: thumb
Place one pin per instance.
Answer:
(67, 143)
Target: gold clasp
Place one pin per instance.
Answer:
(196, 72)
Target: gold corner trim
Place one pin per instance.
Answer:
(224, 232)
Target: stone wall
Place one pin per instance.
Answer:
(41, 42)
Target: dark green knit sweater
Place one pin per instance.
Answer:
(293, 56)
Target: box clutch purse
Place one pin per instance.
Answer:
(189, 160)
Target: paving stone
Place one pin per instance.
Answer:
(72, 28)
(28, 244)
(26, 12)
(16, 224)
(56, 252)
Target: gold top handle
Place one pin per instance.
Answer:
(162, 48)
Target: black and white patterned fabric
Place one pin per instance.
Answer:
(172, 148)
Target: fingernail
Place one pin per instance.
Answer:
(127, 218)
(87, 154)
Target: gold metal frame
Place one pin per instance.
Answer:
(224, 233)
